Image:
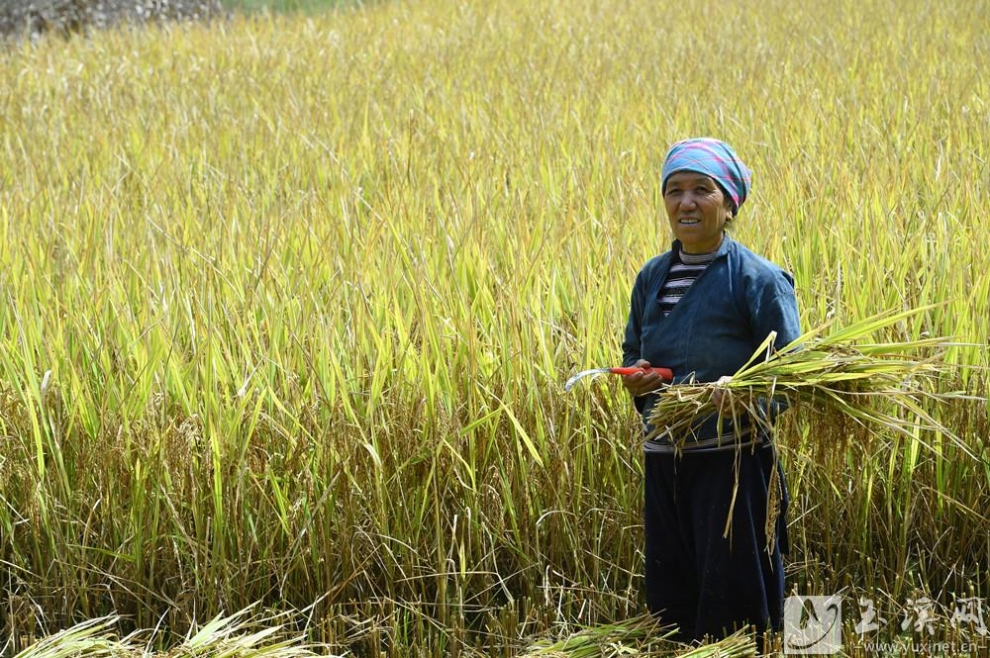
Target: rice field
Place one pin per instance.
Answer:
(289, 301)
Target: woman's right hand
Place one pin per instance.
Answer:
(641, 383)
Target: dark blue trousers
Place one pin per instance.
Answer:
(706, 583)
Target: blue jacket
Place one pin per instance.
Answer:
(716, 326)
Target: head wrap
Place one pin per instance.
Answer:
(713, 158)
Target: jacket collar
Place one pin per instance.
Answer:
(727, 244)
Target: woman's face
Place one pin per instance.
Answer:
(697, 211)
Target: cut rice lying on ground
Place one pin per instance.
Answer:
(640, 636)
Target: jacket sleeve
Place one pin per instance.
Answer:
(632, 344)
(776, 310)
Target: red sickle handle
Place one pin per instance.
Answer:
(665, 374)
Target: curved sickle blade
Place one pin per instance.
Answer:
(581, 375)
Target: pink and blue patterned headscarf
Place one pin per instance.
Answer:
(714, 158)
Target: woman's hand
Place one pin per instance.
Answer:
(641, 383)
(722, 397)
(728, 402)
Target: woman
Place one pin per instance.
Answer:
(702, 309)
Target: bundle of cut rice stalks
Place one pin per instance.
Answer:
(738, 645)
(843, 375)
(606, 641)
(639, 636)
(234, 636)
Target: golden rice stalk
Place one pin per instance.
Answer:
(885, 384)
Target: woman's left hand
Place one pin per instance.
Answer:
(722, 397)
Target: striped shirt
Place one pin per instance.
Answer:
(684, 269)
